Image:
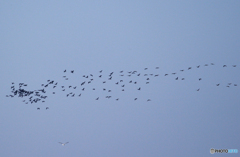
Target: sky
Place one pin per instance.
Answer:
(173, 115)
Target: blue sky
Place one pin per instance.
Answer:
(39, 40)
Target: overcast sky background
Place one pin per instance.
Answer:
(39, 40)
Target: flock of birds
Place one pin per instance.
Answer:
(39, 95)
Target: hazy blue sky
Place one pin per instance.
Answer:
(40, 39)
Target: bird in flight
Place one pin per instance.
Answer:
(63, 144)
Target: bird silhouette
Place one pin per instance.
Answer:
(63, 144)
(224, 65)
(47, 108)
(72, 71)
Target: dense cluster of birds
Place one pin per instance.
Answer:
(39, 95)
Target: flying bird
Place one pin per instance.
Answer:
(63, 144)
